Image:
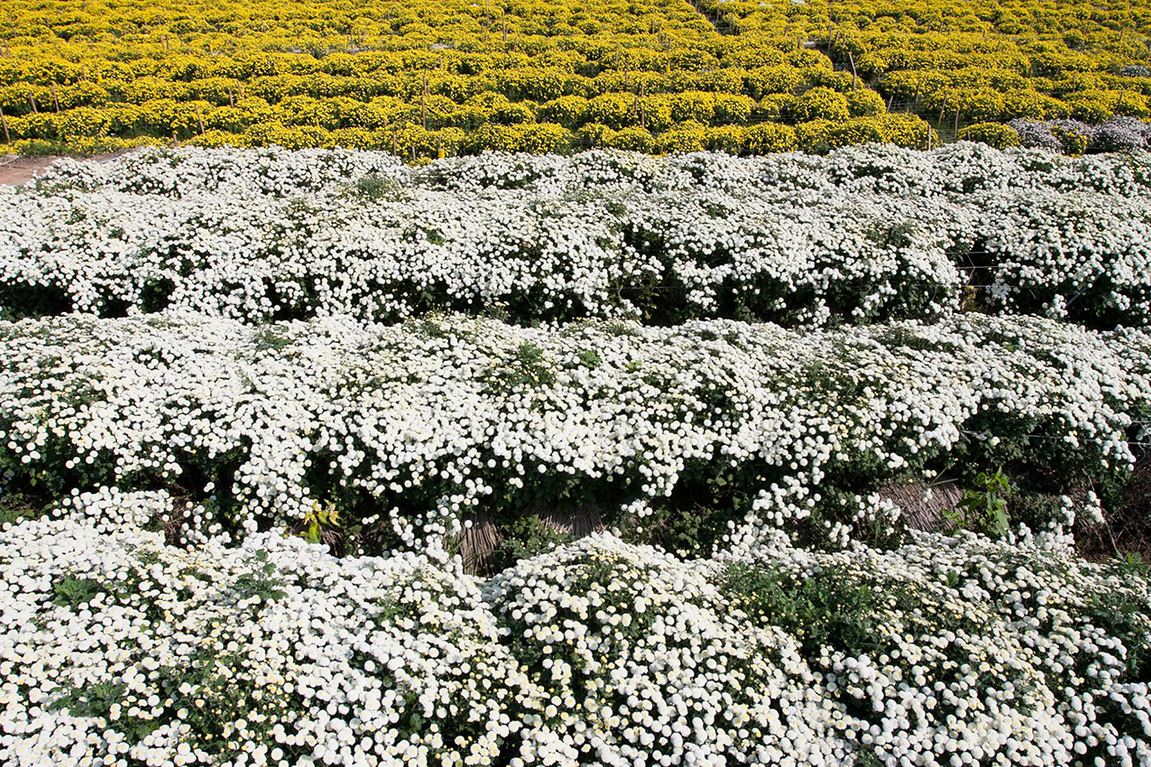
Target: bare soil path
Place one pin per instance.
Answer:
(15, 169)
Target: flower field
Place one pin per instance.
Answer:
(938, 652)
(969, 65)
(717, 425)
(422, 79)
(862, 235)
(432, 79)
(320, 458)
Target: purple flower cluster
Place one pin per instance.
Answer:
(1118, 134)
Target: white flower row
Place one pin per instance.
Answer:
(865, 235)
(433, 419)
(118, 649)
(956, 168)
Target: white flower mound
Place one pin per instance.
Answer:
(432, 420)
(118, 649)
(643, 662)
(116, 646)
(866, 234)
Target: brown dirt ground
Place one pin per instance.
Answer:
(1128, 530)
(15, 169)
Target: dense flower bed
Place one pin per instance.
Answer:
(119, 648)
(422, 79)
(428, 79)
(408, 430)
(863, 235)
(959, 64)
(956, 168)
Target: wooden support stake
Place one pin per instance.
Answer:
(4, 124)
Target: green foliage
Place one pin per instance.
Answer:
(96, 700)
(984, 509)
(211, 690)
(1132, 564)
(270, 338)
(261, 585)
(18, 507)
(73, 592)
(90, 700)
(527, 536)
(1126, 618)
(830, 608)
(589, 358)
(530, 366)
(372, 187)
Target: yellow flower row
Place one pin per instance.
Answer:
(79, 72)
(415, 142)
(952, 60)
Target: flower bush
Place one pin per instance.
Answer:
(861, 236)
(120, 647)
(686, 437)
(993, 134)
